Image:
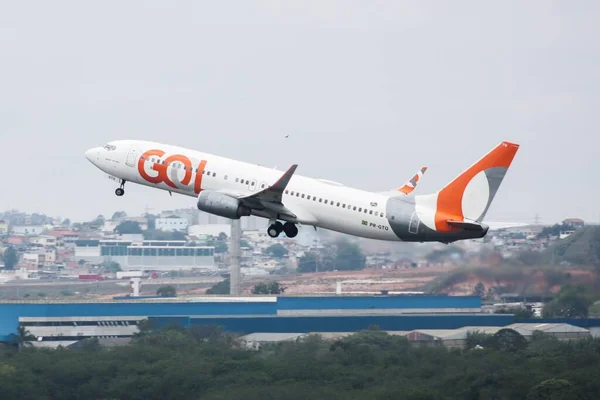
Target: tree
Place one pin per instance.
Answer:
(554, 389)
(223, 287)
(99, 220)
(10, 258)
(221, 247)
(151, 221)
(569, 302)
(166, 291)
(518, 312)
(118, 215)
(268, 288)
(348, 256)
(308, 263)
(276, 250)
(244, 243)
(111, 266)
(479, 290)
(128, 227)
(22, 338)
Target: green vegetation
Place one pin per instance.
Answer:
(204, 363)
(10, 258)
(128, 227)
(111, 266)
(342, 256)
(518, 312)
(572, 302)
(504, 279)
(580, 248)
(166, 291)
(276, 250)
(268, 288)
(223, 287)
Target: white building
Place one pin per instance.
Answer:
(43, 240)
(210, 230)
(26, 230)
(64, 331)
(171, 224)
(151, 255)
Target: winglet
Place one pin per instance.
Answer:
(281, 184)
(411, 184)
(275, 191)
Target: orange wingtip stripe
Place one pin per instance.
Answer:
(406, 189)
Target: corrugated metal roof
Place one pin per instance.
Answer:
(272, 337)
(547, 327)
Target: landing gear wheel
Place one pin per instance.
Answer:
(275, 229)
(121, 191)
(290, 230)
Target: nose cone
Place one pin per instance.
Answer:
(92, 155)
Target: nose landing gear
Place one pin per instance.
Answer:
(121, 190)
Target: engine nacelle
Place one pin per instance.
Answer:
(222, 205)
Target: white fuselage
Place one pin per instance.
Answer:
(317, 203)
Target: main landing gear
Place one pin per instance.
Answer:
(277, 227)
(121, 190)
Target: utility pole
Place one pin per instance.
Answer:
(234, 253)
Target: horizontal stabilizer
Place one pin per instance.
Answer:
(505, 225)
(467, 226)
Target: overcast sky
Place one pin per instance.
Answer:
(368, 91)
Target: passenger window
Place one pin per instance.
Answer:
(320, 200)
(343, 206)
(214, 174)
(292, 193)
(325, 202)
(225, 177)
(302, 195)
(359, 209)
(252, 184)
(237, 179)
(338, 204)
(262, 186)
(286, 192)
(297, 194)
(370, 211)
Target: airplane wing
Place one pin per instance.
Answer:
(408, 186)
(267, 202)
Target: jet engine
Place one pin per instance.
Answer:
(222, 205)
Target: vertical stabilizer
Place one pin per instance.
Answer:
(469, 196)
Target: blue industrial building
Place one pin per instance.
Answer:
(285, 314)
(261, 313)
(337, 323)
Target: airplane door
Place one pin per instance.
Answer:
(413, 226)
(131, 156)
(252, 185)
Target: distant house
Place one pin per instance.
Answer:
(573, 222)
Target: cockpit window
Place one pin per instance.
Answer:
(110, 147)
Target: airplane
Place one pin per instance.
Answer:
(235, 189)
